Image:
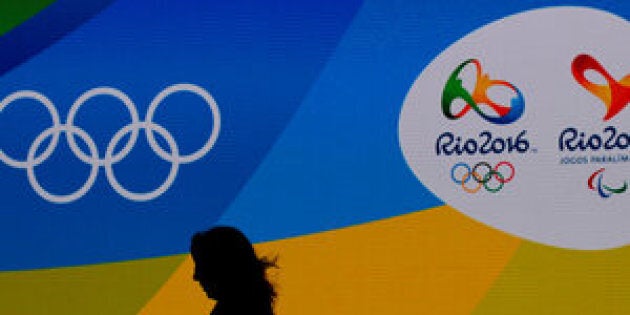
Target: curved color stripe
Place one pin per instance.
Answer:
(115, 288)
(44, 29)
(12, 13)
(430, 262)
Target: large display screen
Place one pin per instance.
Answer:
(395, 157)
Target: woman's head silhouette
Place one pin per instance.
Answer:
(228, 270)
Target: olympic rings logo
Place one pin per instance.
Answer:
(482, 177)
(93, 158)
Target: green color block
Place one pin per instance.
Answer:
(546, 280)
(113, 288)
(14, 12)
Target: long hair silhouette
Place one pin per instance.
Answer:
(228, 270)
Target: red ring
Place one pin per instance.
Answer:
(509, 178)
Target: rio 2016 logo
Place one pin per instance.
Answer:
(455, 90)
(604, 190)
(615, 94)
(482, 174)
(482, 177)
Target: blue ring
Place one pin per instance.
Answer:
(459, 182)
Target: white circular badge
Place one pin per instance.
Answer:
(523, 124)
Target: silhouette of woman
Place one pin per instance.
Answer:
(228, 270)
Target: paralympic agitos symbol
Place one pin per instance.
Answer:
(615, 94)
(454, 90)
(604, 191)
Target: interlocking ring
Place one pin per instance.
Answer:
(30, 167)
(110, 157)
(54, 115)
(482, 180)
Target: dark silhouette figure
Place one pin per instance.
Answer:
(228, 270)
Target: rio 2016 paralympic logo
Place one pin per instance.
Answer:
(603, 190)
(482, 177)
(93, 158)
(455, 90)
(615, 94)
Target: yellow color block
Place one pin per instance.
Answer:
(435, 261)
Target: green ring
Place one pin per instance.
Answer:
(485, 184)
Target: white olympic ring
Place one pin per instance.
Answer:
(93, 159)
(55, 120)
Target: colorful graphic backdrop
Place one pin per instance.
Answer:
(128, 125)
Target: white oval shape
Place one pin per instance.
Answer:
(550, 195)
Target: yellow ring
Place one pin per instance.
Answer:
(474, 190)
